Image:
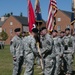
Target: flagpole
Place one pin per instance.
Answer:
(39, 45)
(38, 25)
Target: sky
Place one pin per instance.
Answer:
(18, 6)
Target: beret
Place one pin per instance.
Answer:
(35, 30)
(42, 28)
(54, 31)
(62, 32)
(17, 30)
(67, 29)
(23, 32)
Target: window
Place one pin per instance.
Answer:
(11, 23)
(4, 30)
(58, 28)
(58, 19)
(11, 30)
(68, 26)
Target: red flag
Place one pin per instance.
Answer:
(31, 16)
(51, 14)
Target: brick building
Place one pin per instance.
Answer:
(13, 22)
(63, 20)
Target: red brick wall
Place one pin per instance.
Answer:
(65, 20)
(7, 26)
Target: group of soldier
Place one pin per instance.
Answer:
(56, 51)
(2, 44)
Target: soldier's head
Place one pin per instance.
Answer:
(34, 32)
(62, 34)
(23, 34)
(17, 31)
(67, 31)
(54, 33)
(43, 31)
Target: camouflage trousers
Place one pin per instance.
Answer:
(68, 63)
(48, 65)
(29, 64)
(17, 66)
(57, 65)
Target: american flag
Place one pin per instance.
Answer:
(51, 14)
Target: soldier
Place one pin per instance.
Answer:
(3, 44)
(30, 51)
(16, 48)
(74, 40)
(47, 51)
(62, 34)
(68, 51)
(59, 51)
(23, 35)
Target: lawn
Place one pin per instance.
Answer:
(6, 65)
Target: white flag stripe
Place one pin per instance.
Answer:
(51, 13)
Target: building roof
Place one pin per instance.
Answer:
(70, 15)
(22, 20)
(67, 13)
(2, 22)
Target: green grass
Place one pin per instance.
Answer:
(6, 64)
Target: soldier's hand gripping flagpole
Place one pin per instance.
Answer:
(39, 22)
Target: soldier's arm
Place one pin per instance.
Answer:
(48, 48)
(73, 45)
(12, 48)
(61, 46)
(34, 47)
(22, 50)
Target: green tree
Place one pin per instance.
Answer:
(4, 35)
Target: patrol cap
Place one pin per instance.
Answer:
(42, 28)
(23, 32)
(17, 29)
(35, 30)
(67, 29)
(62, 32)
(54, 31)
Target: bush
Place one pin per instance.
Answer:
(4, 36)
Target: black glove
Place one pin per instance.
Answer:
(66, 47)
(14, 58)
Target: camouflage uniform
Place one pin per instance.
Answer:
(30, 52)
(23, 47)
(59, 52)
(74, 43)
(16, 48)
(47, 51)
(68, 52)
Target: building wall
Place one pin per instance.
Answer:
(62, 21)
(9, 26)
(26, 28)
